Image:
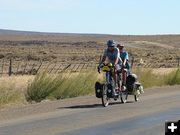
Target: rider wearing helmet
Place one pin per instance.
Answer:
(112, 54)
(124, 57)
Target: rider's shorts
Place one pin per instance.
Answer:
(118, 67)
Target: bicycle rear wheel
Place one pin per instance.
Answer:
(124, 96)
(123, 91)
(136, 98)
(105, 99)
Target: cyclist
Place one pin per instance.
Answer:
(112, 54)
(125, 65)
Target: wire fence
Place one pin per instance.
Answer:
(12, 67)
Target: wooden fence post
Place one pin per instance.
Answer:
(178, 60)
(132, 62)
(10, 67)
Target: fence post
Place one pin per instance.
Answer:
(178, 60)
(132, 62)
(10, 67)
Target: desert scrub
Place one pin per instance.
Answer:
(42, 86)
(77, 85)
(149, 79)
(59, 86)
(173, 78)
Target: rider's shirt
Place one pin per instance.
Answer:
(112, 55)
(124, 55)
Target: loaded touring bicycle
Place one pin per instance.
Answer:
(105, 90)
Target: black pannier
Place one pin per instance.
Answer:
(98, 89)
(131, 82)
(109, 91)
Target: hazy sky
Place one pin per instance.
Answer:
(92, 16)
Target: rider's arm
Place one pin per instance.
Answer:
(124, 63)
(117, 57)
(126, 58)
(104, 57)
(116, 61)
(102, 60)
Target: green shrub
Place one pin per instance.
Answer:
(42, 86)
(173, 78)
(60, 86)
(77, 85)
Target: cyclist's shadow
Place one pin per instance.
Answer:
(91, 106)
(82, 106)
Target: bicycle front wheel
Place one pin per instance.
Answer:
(105, 99)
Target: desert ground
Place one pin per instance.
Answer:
(31, 51)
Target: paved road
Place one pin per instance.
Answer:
(147, 117)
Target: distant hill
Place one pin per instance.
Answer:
(18, 32)
(15, 32)
(150, 40)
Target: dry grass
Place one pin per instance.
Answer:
(150, 79)
(163, 71)
(18, 90)
(12, 90)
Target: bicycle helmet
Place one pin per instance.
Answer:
(120, 45)
(110, 43)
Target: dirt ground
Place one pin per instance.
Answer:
(155, 51)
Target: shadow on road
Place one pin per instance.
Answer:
(83, 106)
(92, 105)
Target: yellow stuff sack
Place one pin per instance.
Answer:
(107, 67)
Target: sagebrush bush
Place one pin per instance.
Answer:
(60, 86)
(43, 85)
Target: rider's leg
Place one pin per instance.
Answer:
(124, 76)
(115, 82)
(115, 78)
(108, 80)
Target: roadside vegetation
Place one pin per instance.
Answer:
(12, 90)
(21, 89)
(60, 86)
(149, 79)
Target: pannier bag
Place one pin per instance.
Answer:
(130, 82)
(133, 86)
(98, 89)
(110, 91)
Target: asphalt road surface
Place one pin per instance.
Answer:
(86, 116)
